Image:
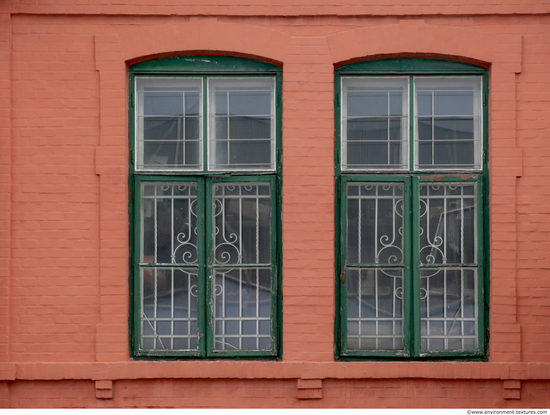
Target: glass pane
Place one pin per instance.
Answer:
(242, 223)
(242, 124)
(168, 124)
(169, 223)
(169, 309)
(448, 123)
(448, 218)
(448, 308)
(241, 151)
(374, 123)
(159, 102)
(242, 309)
(374, 309)
(374, 223)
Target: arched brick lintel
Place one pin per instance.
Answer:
(415, 38)
(197, 36)
(413, 56)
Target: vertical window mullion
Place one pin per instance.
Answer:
(377, 308)
(240, 227)
(462, 305)
(275, 244)
(172, 323)
(360, 310)
(359, 230)
(480, 260)
(342, 278)
(257, 225)
(155, 228)
(432, 116)
(228, 128)
(413, 126)
(257, 296)
(394, 288)
(136, 255)
(183, 129)
(209, 278)
(206, 124)
(445, 204)
(388, 125)
(155, 308)
(408, 285)
(376, 252)
(240, 310)
(414, 294)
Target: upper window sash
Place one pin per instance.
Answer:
(172, 135)
(448, 123)
(441, 131)
(374, 123)
(241, 127)
(168, 124)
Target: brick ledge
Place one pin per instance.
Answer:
(274, 370)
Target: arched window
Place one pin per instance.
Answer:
(411, 201)
(205, 185)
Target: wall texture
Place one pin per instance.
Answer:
(64, 295)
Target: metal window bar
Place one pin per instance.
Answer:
(361, 198)
(235, 338)
(223, 338)
(165, 192)
(375, 338)
(391, 319)
(458, 316)
(443, 218)
(168, 317)
(189, 221)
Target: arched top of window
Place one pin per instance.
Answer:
(412, 66)
(205, 172)
(204, 65)
(411, 176)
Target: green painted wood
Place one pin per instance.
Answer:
(203, 67)
(411, 68)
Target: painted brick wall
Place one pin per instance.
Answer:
(532, 205)
(64, 295)
(263, 393)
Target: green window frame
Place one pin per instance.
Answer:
(411, 210)
(205, 208)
